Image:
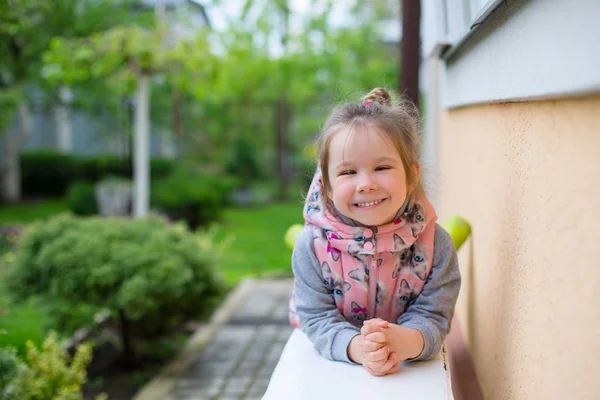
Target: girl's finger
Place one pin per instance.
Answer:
(367, 345)
(377, 321)
(390, 362)
(374, 372)
(378, 337)
(378, 355)
(370, 328)
(376, 365)
(395, 368)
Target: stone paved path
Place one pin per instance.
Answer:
(238, 361)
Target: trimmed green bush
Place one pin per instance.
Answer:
(198, 199)
(148, 273)
(50, 173)
(95, 168)
(81, 198)
(46, 173)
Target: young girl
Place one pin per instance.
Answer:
(376, 279)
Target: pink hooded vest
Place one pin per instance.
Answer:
(371, 272)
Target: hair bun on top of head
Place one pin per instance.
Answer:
(379, 96)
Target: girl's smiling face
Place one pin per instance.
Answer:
(367, 176)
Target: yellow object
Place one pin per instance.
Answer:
(459, 230)
(291, 233)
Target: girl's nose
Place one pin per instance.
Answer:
(366, 184)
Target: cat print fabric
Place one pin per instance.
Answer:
(371, 272)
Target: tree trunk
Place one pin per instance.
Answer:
(141, 172)
(410, 49)
(63, 120)
(11, 171)
(282, 159)
(128, 355)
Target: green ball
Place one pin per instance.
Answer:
(459, 229)
(290, 235)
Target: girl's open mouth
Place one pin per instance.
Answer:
(368, 205)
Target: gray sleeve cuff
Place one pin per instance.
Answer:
(340, 343)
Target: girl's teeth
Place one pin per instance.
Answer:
(372, 203)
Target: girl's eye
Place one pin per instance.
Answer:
(367, 271)
(347, 172)
(403, 256)
(404, 298)
(419, 217)
(337, 292)
(326, 282)
(418, 258)
(407, 209)
(382, 168)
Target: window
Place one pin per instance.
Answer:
(464, 15)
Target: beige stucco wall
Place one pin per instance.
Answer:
(527, 176)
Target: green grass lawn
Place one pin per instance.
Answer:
(22, 322)
(29, 212)
(258, 245)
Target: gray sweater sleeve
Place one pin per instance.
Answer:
(320, 319)
(432, 311)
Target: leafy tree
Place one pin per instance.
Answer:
(20, 49)
(26, 28)
(254, 91)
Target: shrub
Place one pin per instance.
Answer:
(81, 198)
(47, 374)
(148, 273)
(50, 173)
(47, 173)
(196, 199)
(9, 365)
(96, 168)
(9, 234)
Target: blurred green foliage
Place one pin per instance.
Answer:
(148, 273)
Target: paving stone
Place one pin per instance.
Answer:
(237, 386)
(239, 361)
(255, 354)
(269, 331)
(266, 371)
(259, 387)
(188, 395)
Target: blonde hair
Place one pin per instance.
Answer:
(398, 121)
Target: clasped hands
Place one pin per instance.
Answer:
(382, 346)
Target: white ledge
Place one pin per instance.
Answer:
(304, 374)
